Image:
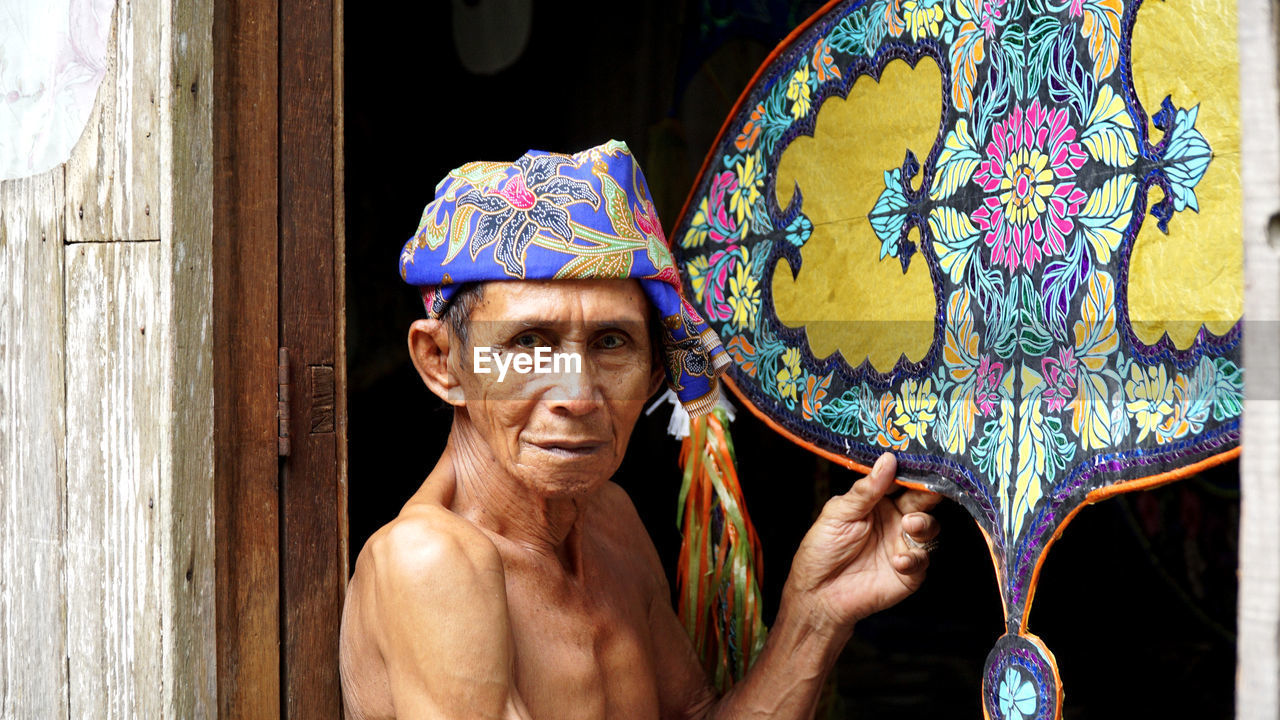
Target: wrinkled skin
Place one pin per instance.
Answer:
(518, 581)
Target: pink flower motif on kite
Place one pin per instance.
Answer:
(1060, 375)
(712, 218)
(991, 10)
(986, 394)
(710, 276)
(710, 284)
(1028, 176)
(722, 223)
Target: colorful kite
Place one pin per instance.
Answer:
(1000, 238)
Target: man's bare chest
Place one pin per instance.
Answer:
(582, 647)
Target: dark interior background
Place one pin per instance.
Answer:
(1137, 601)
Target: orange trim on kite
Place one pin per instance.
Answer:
(1110, 491)
(1053, 663)
(1096, 496)
(995, 567)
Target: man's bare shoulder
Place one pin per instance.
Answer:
(429, 559)
(421, 543)
(427, 586)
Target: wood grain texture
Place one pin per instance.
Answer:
(1258, 625)
(340, 285)
(114, 174)
(106, 402)
(189, 650)
(33, 628)
(313, 581)
(116, 515)
(245, 335)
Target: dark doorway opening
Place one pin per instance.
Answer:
(1138, 599)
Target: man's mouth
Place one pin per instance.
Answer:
(569, 448)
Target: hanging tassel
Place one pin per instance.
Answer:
(678, 425)
(720, 558)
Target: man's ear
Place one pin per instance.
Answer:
(658, 376)
(429, 348)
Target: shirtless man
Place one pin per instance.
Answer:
(518, 582)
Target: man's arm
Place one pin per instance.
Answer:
(853, 562)
(785, 681)
(434, 597)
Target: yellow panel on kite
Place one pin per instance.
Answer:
(840, 298)
(1194, 275)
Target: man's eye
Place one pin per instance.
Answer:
(530, 340)
(612, 341)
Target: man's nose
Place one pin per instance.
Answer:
(574, 393)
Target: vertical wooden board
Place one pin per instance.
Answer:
(340, 289)
(245, 339)
(1258, 624)
(310, 564)
(33, 632)
(115, 521)
(189, 642)
(113, 175)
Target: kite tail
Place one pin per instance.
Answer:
(720, 558)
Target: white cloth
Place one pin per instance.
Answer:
(53, 56)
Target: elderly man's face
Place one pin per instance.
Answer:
(560, 433)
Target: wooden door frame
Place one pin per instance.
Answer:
(280, 521)
(257, 64)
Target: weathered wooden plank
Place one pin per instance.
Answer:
(113, 175)
(115, 479)
(1258, 625)
(340, 289)
(33, 629)
(189, 643)
(311, 566)
(245, 337)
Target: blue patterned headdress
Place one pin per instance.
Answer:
(574, 217)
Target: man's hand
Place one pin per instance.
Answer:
(855, 560)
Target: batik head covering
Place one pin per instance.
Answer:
(575, 217)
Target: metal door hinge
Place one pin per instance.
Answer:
(282, 397)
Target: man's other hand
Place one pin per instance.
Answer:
(856, 559)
